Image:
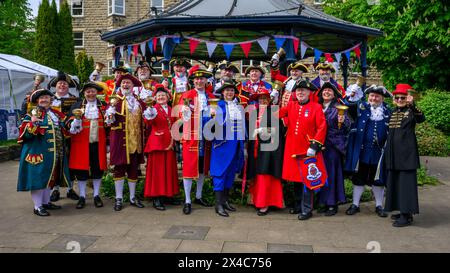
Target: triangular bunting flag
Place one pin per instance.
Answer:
(211, 46)
(155, 41)
(264, 43)
(176, 40)
(150, 45)
(162, 39)
(295, 43)
(121, 51)
(317, 54)
(338, 57)
(135, 50)
(328, 57)
(279, 42)
(357, 52)
(143, 48)
(303, 49)
(347, 55)
(129, 51)
(228, 48)
(246, 48)
(193, 45)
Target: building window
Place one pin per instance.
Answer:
(246, 63)
(158, 4)
(78, 39)
(158, 68)
(319, 2)
(116, 7)
(110, 67)
(76, 8)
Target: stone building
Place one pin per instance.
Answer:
(90, 18)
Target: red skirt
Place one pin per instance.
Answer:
(267, 191)
(161, 175)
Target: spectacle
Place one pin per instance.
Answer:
(400, 98)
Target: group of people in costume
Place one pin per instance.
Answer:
(308, 133)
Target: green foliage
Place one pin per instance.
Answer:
(424, 179)
(15, 28)
(415, 45)
(7, 143)
(47, 42)
(348, 187)
(84, 66)
(66, 47)
(108, 188)
(431, 141)
(436, 107)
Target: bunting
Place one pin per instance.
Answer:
(246, 48)
(228, 48)
(211, 46)
(193, 45)
(264, 43)
(303, 48)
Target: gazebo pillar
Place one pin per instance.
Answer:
(364, 60)
(345, 72)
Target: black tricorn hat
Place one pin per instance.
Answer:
(304, 84)
(226, 85)
(40, 92)
(379, 90)
(61, 76)
(144, 64)
(337, 94)
(91, 85)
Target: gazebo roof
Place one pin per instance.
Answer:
(238, 20)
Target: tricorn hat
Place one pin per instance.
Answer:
(337, 94)
(325, 66)
(40, 92)
(61, 76)
(91, 85)
(304, 84)
(132, 78)
(226, 85)
(297, 65)
(228, 65)
(144, 64)
(379, 90)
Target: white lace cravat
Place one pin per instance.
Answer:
(376, 113)
(202, 100)
(91, 111)
(233, 111)
(54, 118)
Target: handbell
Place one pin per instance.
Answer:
(99, 66)
(39, 77)
(281, 52)
(361, 81)
(77, 113)
(150, 101)
(341, 111)
(278, 85)
(113, 100)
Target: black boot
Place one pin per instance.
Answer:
(226, 204)
(158, 204)
(403, 220)
(219, 204)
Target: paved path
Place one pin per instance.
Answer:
(147, 230)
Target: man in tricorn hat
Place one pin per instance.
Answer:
(249, 87)
(124, 116)
(365, 143)
(179, 82)
(144, 73)
(227, 72)
(325, 71)
(62, 102)
(196, 150)
(295, 71)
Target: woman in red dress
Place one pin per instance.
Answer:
(265, 156)
(161, 178)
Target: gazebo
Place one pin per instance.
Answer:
(211, 29)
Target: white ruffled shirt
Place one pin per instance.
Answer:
(91, 110)
(376, 113)
(54, 117)
(233, 110)
(202, 100)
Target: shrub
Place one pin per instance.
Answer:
(436, 107)
(424, 179)
(431, 141)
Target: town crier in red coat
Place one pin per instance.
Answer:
(162, 175)
(305, 136)
(196, 151)
(126, 141)
(88, 142)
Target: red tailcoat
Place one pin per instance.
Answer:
(160, 138)
(117, 138)
(305, 123)
(79, 149)
(190, 137)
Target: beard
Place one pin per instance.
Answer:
(126, 92)
(143, 77)
(226, 78)
(325, 78)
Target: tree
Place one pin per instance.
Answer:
(46, 42)
(415, 45)
(84, 66)
(16, 28)
(66, 47)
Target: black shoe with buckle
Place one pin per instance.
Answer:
(55, 196)
(403, 221)
(136, 203)
(41, 212)
(51, 206)
(98, 202)
(81, 203)
(158, 204)
(118, 205)
(187, 208)
(332, 210)
(201, 202)
(380, 211)
(72, 195)
(397, 216)
(353, 209)
(304, 216)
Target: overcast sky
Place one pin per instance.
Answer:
(34, 5)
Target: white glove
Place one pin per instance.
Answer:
(257, 131)
(150, 113)
(275, 95)
(275, 60)
(76, 127)
(111, 111)
(145, 94)
(186, 113)
(310, 152)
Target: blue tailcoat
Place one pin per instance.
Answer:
(228, 150)
(366, 138)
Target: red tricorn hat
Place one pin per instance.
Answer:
(132, 78)
(402, 89)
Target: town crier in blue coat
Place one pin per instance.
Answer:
(366, 141)
(43, 161)
(227, 152)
